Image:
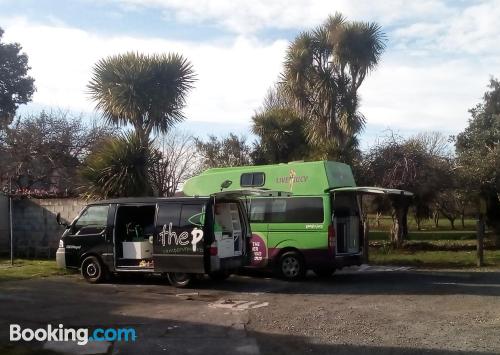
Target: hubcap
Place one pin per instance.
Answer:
(181, 276)
(92, 270)
(290, 266)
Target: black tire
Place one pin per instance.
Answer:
(179, 279)
(291, 266)
(93, 270)
(219, 275)
(324, 272)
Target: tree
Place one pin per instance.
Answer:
(120, 168)
(223, 152)
(323, 71)
(147, 92)
(175, 161)
(405, 164)
(280, 130)
(41, 153)
(16, 86)
(478, 154)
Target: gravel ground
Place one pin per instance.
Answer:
(368, 310)
(385, 312)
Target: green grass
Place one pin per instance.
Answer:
(27, 269)
(426, 224)
(432, 259)
(431, 235)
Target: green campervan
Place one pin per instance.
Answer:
(314, 224)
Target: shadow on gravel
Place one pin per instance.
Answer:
(412, 282)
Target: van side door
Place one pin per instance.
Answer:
(179, 239)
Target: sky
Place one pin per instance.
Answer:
(437, 64)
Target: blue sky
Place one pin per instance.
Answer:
(439, 57)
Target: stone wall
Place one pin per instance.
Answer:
(36, 232)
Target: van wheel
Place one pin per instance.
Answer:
(292, 266)
(219, 275)
(93, 270)
(179, 279)
(324, 272)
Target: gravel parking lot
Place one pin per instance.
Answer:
(368, 310)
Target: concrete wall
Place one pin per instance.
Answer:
(4, 224)
(34, 221)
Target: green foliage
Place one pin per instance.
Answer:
(148, 92)
(478, 150)
(323, 70)
(120, 168)
(281, 137)
(16, 85)
(223, 152)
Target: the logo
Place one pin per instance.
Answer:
(291, 179)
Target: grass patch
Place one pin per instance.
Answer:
(385, 223)
(432, 259)
(27, 269)
(431, 235)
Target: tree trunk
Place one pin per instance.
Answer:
(399, 230)
(452, 222)
(462, 218)
(377, 219)
(436, 218)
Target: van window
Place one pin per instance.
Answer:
(168, 213)
(258, 210)
(92, 221)
(287, 210)
(192, 216)
(252, 179)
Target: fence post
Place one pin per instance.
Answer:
(10, 224)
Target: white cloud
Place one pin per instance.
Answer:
(437, 65)
(232, 78)
(243, 16)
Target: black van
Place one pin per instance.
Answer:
(178, 237)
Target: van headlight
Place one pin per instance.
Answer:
(61, 243)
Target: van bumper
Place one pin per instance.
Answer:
(61, 258)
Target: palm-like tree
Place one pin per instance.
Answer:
(323, 70)
(120, 168)
(281, 133)
(147, 92)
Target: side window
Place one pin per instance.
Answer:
(192, 216)
(92, 221)
(252, 179)
(169, 213)
(258, 211)
(304, 210)
(296, 210)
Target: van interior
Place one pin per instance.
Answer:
(134, 236)
(228, 230)
(346, 220)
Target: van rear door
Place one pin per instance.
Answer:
(180, 236)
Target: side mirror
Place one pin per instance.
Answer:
(225, 184)
(59, 221)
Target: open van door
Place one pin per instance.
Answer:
(349, 228)
(233, 245)
(371, 190)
